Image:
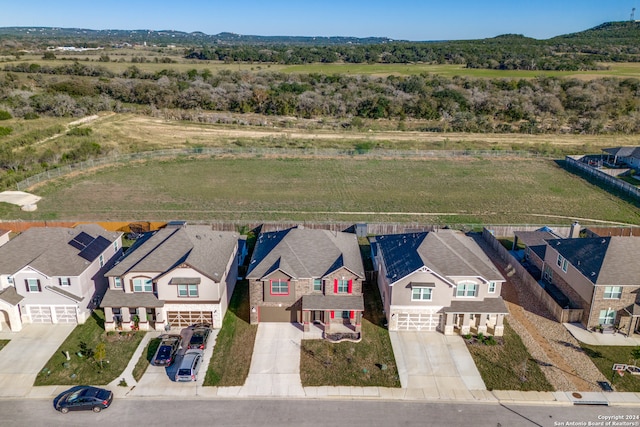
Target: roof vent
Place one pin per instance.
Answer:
(199, 237)
(603, 241)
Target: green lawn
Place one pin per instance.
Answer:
(367, 363)
(452, 191)
(508, 366)
(3, 343)
(231, 358)
(145, 358)
(604, 357)
(82, 368)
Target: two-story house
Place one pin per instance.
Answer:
(309, 277)
(176, 276)
(56, 273)
(439, 280)
(599, 274)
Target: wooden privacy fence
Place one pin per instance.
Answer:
(562, 315)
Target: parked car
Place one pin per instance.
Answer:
(83, 397)
(166, 353)
(200, 336)
(188, 369)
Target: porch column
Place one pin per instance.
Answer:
(143, 325)
(466, 328)
(358, 321)
(109, 324)
(160, 321)
(449, 324)
(126, 318)
(498, 330)
(306, 318)
(327, 321)
(482, 325)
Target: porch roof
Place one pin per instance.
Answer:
(185, 281)
(118, 298)
(333, 302)
(633, 310)
(486, 306)
(11, 296)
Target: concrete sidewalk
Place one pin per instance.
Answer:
(596, 338)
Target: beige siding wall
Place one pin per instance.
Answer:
(580, 284)
(441, 294)
(208, 290)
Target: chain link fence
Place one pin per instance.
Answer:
(116, 159)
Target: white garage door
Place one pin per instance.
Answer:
(66, 314)
(40, 313)
(186, 318)
(418, 321)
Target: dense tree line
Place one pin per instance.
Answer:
(541, 105)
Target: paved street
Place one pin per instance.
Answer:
(27, 353)
(278, 412)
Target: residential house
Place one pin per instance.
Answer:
(439, 280)
(173, 277)
(308, 277)
(55, 274)
(601, 275)
(629, 156)
(535, 246)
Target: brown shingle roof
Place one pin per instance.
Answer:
(118, 298)
(488, 305)
(333, 302)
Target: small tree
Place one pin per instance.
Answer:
(635, 353)
(100, 353)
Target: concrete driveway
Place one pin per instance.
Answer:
(440, 365)
(26, 355)
(275, 364)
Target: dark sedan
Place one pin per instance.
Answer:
(81, 398)
(166, 353)
(200, 336)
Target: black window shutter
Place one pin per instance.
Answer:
(39, 288)
(26, 284)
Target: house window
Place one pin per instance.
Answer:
(343, 286)
(548, 274)
(10, 280)
(279, 287)
(421, 294)
(562, 263)
(64, 281)
(492, 287)
(142, 285)
(33, 285)
(189, 291)
(607, 317)
(101, 261)
(466, 290)
(117, 282)
(612, 292)
(115, 246)
(317, 285)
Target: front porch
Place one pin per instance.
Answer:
(474, 317)
(333, 314)
(132, 312)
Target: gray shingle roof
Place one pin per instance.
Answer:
(204, 249)
(11, 296)
(333, 302)
(603, 260)
(305, 253)
(119, 298)
(47, 249)
(536, 240)
(488, 305)
(446, 252)
(624, 151)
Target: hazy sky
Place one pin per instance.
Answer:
(399, 19)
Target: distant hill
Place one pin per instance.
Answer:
(81, 35)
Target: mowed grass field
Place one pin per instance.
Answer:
(181, 64)
(448, 191)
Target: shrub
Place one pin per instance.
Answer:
(5, 131)
(5, 115)
(31, 116)
(79, 131)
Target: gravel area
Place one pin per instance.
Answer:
(562, 360)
